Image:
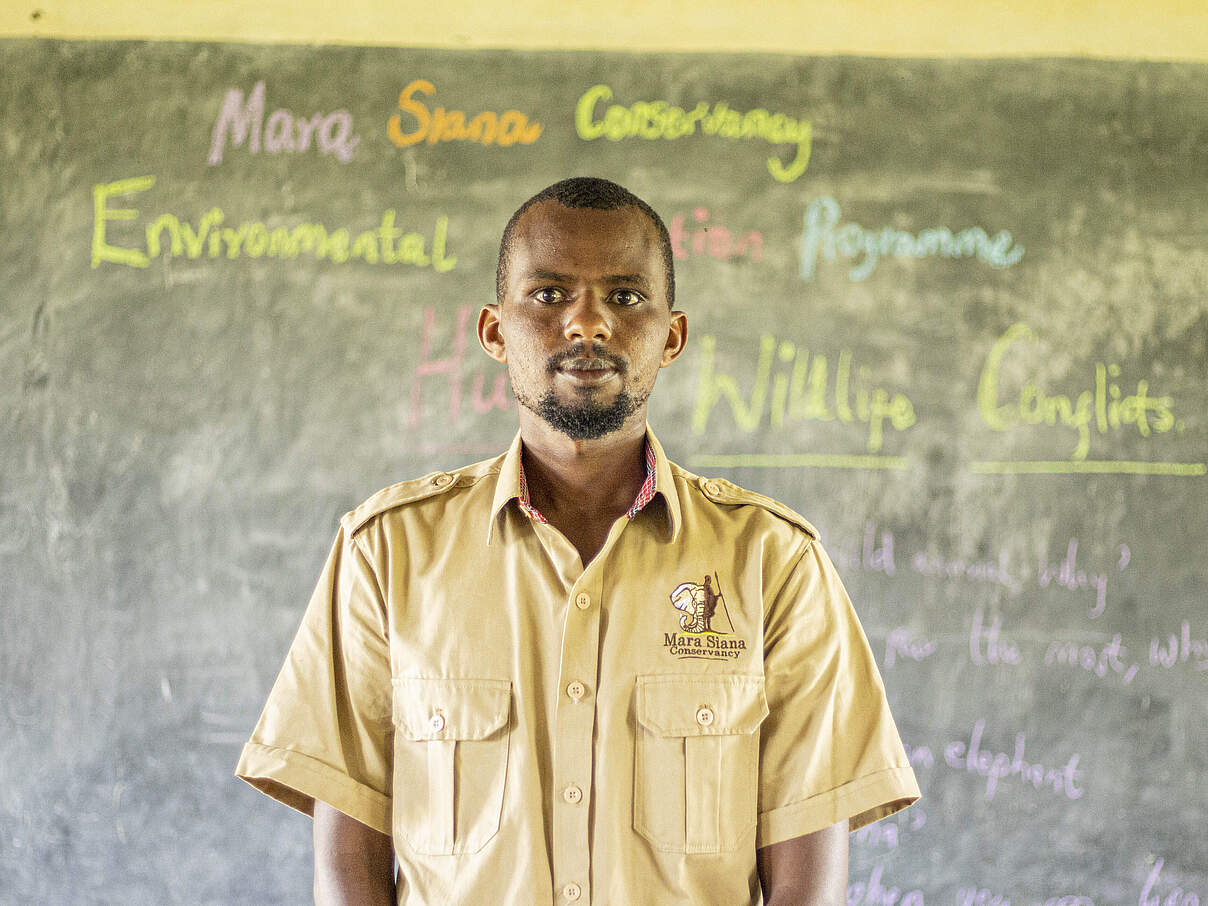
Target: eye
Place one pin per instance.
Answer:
(627, 297)
(549, 295)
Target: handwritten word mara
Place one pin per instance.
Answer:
(823, 236)
(1177, 896)
(801, 390)
(1063, 781)
(1103, 407)
(244, 121)
(211, 238)
(712, 239)
(653, 120)
(440, 125)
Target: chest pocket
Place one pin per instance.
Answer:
(696, 764)
(450, 762)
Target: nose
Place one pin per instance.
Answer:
(587, 319)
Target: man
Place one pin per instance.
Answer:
(492, 684)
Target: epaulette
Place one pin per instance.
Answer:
(721, 491)
(396, 495)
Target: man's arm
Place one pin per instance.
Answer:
(354, 864)
(806, 871)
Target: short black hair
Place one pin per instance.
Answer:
(587, 192)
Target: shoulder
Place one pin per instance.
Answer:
(722, 493)
(417, 491)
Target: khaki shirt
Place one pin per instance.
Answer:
(533, 732)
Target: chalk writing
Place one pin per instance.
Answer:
(453, 368)
(986, 645)
(800, 390)
(822, 236)
(919, 756)
(712, 239)
(874, 893)
(1104, 407)
(1176, 896)
(980, 896)
(1067, 574)
(239, 121)
(440, 125)
(889, 832)
(1067, 900)
(1180, 649)
(1063, 781)
(210, 238)
(993, 572)
(875, 553)
(652, 120)
(901, 644)
(1110, 660)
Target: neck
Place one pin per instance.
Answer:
(597, 478)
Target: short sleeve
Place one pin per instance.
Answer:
(829, 748)
(326, 730)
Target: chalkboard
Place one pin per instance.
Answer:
(954, 312)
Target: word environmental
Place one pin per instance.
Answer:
(212, 238)
(801, 391)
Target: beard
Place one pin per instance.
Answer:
(585, 419)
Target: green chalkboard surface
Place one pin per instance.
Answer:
(954, 312)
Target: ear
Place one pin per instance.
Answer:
(677, 338)
(489, 334)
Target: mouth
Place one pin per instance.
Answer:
(587, 372)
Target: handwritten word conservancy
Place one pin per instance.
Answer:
(210, 238)
(652, 120)
(440, 125)
(239, 121)
(824, 237)
(800, 389)
(1102, 407)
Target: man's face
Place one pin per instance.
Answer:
(584, 324)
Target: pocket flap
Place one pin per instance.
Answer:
(430, 708)
(701, 705)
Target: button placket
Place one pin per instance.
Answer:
(574, 725)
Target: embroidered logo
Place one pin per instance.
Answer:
(704, 622)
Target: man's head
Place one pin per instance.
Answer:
(583, 318)
(587, 192)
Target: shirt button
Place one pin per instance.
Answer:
(442, 479)
(704, 716)
(572, 794)
(583, 600)
(712, 488)
(576, 690)
(436, 722)
(572, 891)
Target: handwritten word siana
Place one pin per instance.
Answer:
(652, 120)
(440, 125)
(971, 758)
(211, 238)
(801, 391)
(1103, 407)
(239, 121)
(712, 239)
(822, 236)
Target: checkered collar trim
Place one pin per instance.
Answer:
(645, 492)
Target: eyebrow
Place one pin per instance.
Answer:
(610, 279)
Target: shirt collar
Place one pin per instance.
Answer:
(511, 485)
